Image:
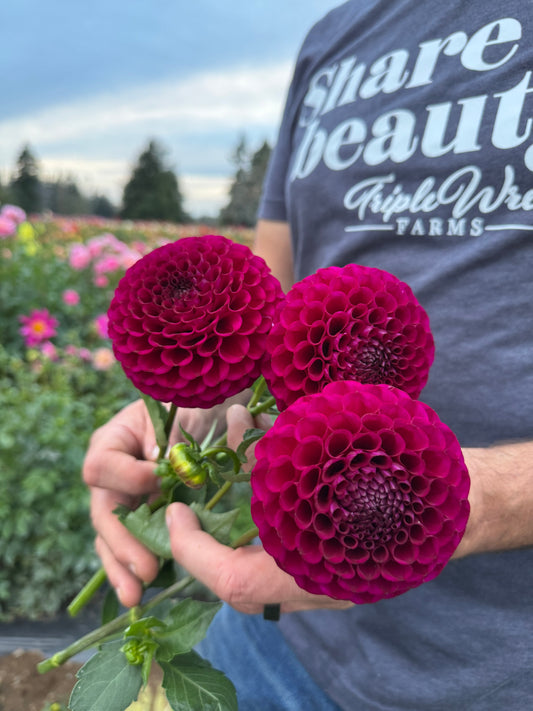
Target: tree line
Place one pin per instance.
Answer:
(152, 191)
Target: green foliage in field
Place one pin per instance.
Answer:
(46, 540)
(52, 400)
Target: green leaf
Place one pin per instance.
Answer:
(158, 415)
(166, 575)
(190, 439)
(142, 628)
(150, 529)
(249, 437)
(218, 525)
(209, 436)
(191, 683)
(106, 681)
(186, 625)
(110, 608)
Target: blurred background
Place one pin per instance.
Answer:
(86, 88)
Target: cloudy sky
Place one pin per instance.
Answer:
(87, 85)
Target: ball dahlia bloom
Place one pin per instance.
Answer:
(348, 323)
(360, 492)
(188, 321)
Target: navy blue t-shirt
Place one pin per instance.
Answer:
(407, 144)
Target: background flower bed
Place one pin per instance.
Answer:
(55, 392)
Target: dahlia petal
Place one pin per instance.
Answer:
(323, 526)
(309, 547)
(307, 482)
(431, 520)
(234, 347)
(288, 531)
(288, 496)
(369, 570)
(332, 550)
(303, 514)
(279, 473)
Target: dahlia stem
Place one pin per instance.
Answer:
(258, 392)
(213, 501)
(87, 592)
(168, 427)
(111, 628)
(246, 537)
(262, 407)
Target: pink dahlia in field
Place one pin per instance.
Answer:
(360, 492)
(189, 320)
(101, 325)
(348, 323)
(38, 327)
(71, 297)
(14, 213)
(79, 257)
(8, 227)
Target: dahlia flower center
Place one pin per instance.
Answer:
(372, 507)
(367, 362)
(179, 285)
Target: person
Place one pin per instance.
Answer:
(406, 144)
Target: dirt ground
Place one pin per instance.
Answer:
(22, 688)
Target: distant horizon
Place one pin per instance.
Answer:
(106, 79)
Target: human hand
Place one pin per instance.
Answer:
(119, 469)
(247, 578)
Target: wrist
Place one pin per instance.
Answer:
(500, 499)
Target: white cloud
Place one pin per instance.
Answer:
(204, 195)
(92, 140)
(212, 101)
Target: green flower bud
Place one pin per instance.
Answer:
(134, 650)
(187, 466)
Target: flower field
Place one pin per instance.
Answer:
(59, 381)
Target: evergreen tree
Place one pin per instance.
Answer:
(245, 191)
(102, 206)
(63, 197)
(5, 196)
(25, 185)
(152, 192)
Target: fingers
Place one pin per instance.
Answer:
(116, 455)
(127, 585)
(126, 561)
(247, 578)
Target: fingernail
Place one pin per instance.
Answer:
(132, 568)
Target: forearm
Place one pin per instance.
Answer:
(501, 498)
(273, 244)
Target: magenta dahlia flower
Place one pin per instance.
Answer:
(360, 492)
(348, 323)
(39, 326)
(188, 321)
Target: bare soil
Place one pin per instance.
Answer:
(22, 688)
